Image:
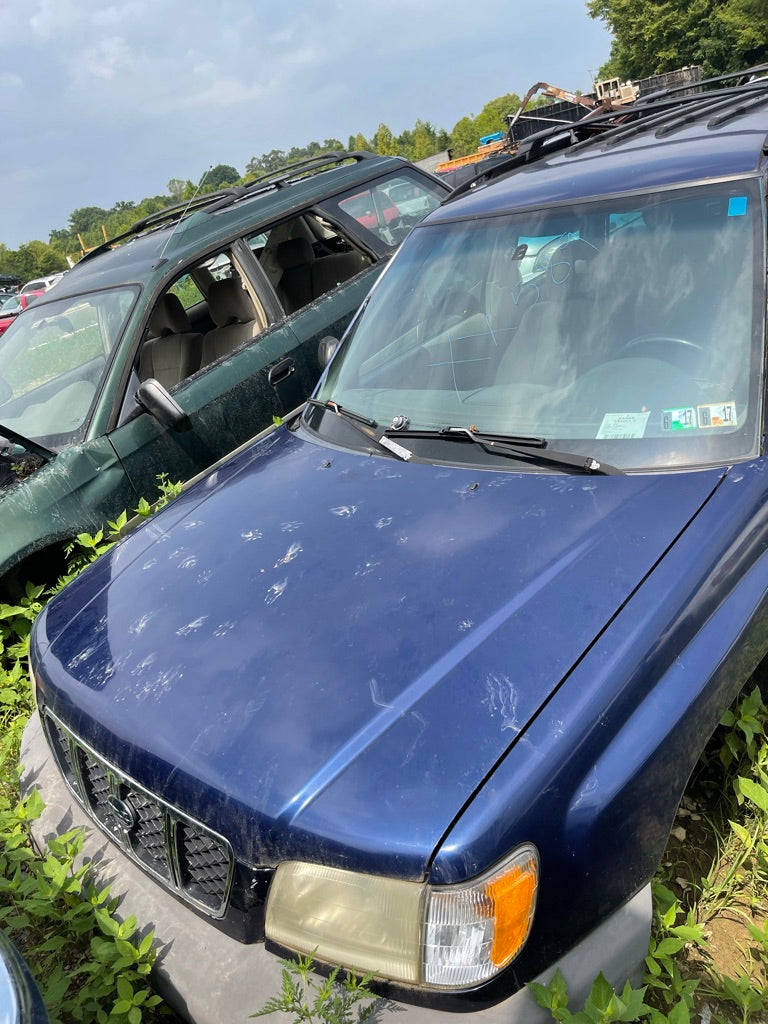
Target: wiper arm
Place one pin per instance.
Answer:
(341, 410)
(528, 448)
(32, 446)
(360, 422)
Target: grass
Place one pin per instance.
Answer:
(707, 961)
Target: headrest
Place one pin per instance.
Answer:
(228, 302)
(295, 252)
(168, 317)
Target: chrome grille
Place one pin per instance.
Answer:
(183, 854)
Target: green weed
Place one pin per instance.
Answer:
(90, 967)
(312, 1000)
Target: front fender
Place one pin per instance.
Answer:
(77, 491)
(596, 778)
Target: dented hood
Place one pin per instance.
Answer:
(323, 654)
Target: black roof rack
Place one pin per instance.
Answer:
(664, 111)
(742, 78)
(210, 202)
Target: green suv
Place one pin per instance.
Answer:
(168, 347)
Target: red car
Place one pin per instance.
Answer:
(11, 308)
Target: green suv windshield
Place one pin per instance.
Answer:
(626, 329)
(52, 360)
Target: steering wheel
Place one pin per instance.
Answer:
(678, 351)
(398, 229)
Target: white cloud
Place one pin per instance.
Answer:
(111, 56)
(54, 18)
(128, 95)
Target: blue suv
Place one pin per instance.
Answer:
(415, 682)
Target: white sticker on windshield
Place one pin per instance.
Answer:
(718, 414)
(617, 426)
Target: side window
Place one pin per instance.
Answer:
(205, 314)
(391, 206)
(187, 291)
(306, 257)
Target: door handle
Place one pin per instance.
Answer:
(281, 371)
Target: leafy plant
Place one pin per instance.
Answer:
(168, 491)
(82, 955)
(91, 967)
(312, 1000)
(602, 1006)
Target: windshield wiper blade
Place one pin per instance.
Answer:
(341, 410)
(460, 433)
(360, 422)
(32, 446)
(531, 449)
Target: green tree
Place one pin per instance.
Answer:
(466, 134)
(266, 163)
(424, 140)
(32, 259)
(384, 141)
(82, 220)
(651, 36)
(221, 174)
(359, 141)
(176, 187)
(492, 118)
(464, 137)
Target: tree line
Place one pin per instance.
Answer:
(88, 226)
(648, 37)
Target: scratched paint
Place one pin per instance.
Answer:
(501, 698)
(191, 627)
(293, 551)
(275, 591)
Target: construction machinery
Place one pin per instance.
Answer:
(608, 95)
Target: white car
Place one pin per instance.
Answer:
(42, 283)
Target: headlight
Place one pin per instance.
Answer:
(449, 937)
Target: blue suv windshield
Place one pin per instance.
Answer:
(629, 329)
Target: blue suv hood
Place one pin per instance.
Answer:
(328, 655)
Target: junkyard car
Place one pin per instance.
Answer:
(13, 305)
(222, 299)
(415, 682)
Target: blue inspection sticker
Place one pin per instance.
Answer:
(737, 206)
(678, 419)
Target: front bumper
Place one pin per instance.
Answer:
(209, 978)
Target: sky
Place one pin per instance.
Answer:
(106, 101)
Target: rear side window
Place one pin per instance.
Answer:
(391, 206)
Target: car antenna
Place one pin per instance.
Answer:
(183, 213)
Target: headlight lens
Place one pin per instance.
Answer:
(449, 937)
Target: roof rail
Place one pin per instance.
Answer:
(210, 202)
(663, 111)
(535, 147)
(699, 86)
(288, 174)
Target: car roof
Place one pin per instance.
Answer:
(154, 246)
(706, 136)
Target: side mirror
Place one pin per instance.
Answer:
(152, 396)
(325, 350)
